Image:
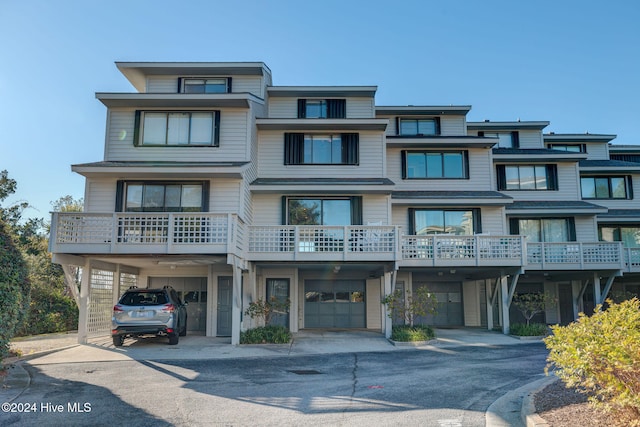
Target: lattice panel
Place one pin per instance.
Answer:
(143, 229)
(271, 239)
(100, 302)
(127, 280)
(84, 229)
(198, 229)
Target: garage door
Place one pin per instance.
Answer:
(449, 297)
(334, 304)
(192, 290)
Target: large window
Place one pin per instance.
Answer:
(544, 229)
(439, 221)
(322, 108)
(572, 148)
(208, 85)
(434, 164)
(628, 234)
(604, 187)
(162, 196)
(505, 139)
(177, 128)
(312, 149)
(316, 211)
(418, 127)
(527, 177)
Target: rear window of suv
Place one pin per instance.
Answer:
(144, 298)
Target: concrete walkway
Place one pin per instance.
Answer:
(63, 348)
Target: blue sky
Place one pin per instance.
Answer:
(573, 63)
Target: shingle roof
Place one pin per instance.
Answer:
(608, 164)
(320, 181)
(553, 205)
(449, 195)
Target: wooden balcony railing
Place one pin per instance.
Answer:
(574, 255)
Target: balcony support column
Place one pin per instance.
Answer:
(506, 302)
(597, 291)
(83, 312)
(236, 309)
(389, 279)
(492, 296)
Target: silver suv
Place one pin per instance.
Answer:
(149, 312)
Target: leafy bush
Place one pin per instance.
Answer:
(264, 310)
(419, 303)
(600, 356)
(533, 303)
(266, 334)
(14, 289)
(531, 330)
(406, 333)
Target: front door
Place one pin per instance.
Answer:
(225, 294)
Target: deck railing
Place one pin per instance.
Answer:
(574, 255)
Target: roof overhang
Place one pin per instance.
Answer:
(609, 166)
(451, 198)
(577, 137)
(440, 141)
(554, 208)
(322, 124)
(322, 91)
(161, 170)
(178, 100)
(136, 72)
(620, 215)
(425, 110)
(322, 185)
(536, 156)
(517, 125)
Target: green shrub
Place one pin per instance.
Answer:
(14, 289)
(600, 356)
(406, 333)
(266, 334)
(531, 330)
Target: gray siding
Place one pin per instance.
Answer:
(586, 229)
(597, 151)
(530, 139)
(100, 195)
(233, 141)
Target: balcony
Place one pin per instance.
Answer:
(577, 256)
(322, 243)
(632, 260)
(462, 251)
(145, 233)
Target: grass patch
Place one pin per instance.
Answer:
(406, 333)
(266, 335)
(531, 330)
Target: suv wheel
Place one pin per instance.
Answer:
(173, 339)
(118, 340)
(183, 332)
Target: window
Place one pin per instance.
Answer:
(572, 148)
(317, 211)
(418, 127)
(629, 234)
(605, 187)
(438, 221)
(505, 139)
(527, 177)
(209, 85)
(544, 229)
(312, 149)
(322, 108)
(435, 164)
(196, 128)
(155, 196)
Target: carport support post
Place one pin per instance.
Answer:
(388, 322)
(83, 312)
(236, 309)
(506, 302)
(597, 292)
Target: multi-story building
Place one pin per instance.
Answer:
(231, 189)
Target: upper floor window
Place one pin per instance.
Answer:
(322, 108)
(439, 221)
(209, 85)
(544, 229)
(156, 196)
(505, 139)
(628, 234)
(527, 177)
(605, 187)
(318, 149)
(418, 127)
(572, 148)
(177, 128)
(434, 164)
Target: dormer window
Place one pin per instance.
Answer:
(322, 108)
(418, 127)
(505, 139)
(209, 85)
(572, 148)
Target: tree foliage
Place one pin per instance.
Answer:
(419, 303)
(264, 309)
(600, 356)
(533, 303)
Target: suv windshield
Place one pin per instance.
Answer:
(143, 298)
